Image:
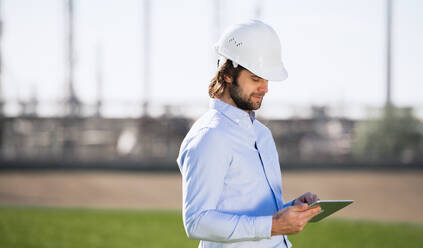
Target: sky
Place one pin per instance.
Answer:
(333, 50)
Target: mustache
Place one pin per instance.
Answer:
(261, 95)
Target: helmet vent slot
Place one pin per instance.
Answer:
(232, 40)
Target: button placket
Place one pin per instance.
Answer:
(267, 171)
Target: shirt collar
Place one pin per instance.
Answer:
(230, 111)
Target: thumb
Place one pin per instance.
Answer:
(301, 207)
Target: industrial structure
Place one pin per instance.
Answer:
(75, 137)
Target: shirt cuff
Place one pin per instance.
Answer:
(263, 227)
(288, 204)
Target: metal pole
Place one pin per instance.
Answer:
(1, 64)
(388, 52)
(73, 103)
(2, 119)
(99, 72)
(146, 58)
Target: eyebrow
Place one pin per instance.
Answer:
(255, 76)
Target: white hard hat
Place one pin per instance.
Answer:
(255, 46)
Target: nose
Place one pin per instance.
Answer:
(264, 86)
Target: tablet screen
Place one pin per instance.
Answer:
(328, 207)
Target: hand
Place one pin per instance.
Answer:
(291, 220)
(308, 198)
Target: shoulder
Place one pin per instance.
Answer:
(210, 119)
(208, 131)
(262, 128)
(206, 141)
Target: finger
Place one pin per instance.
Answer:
(309, 217)
(317, 210)
(313, 212)
(301, 207)
(309, 198)
(314, 198)
(309, 214)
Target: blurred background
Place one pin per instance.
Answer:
(96, 97)
(99, 81)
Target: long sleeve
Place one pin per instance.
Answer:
(204, 161)
(288, 204)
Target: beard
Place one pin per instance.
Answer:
(242, 100)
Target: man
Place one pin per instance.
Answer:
(232, 186)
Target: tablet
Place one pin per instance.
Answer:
(328, 207)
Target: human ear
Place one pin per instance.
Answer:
(228, 79)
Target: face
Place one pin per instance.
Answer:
(248, 90)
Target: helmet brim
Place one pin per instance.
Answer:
(274, 73)
(278, 73)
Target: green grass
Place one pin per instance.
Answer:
(363, 234)
(79, 228)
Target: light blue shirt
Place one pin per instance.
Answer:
(231, 180)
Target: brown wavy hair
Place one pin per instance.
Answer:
(217, 84)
